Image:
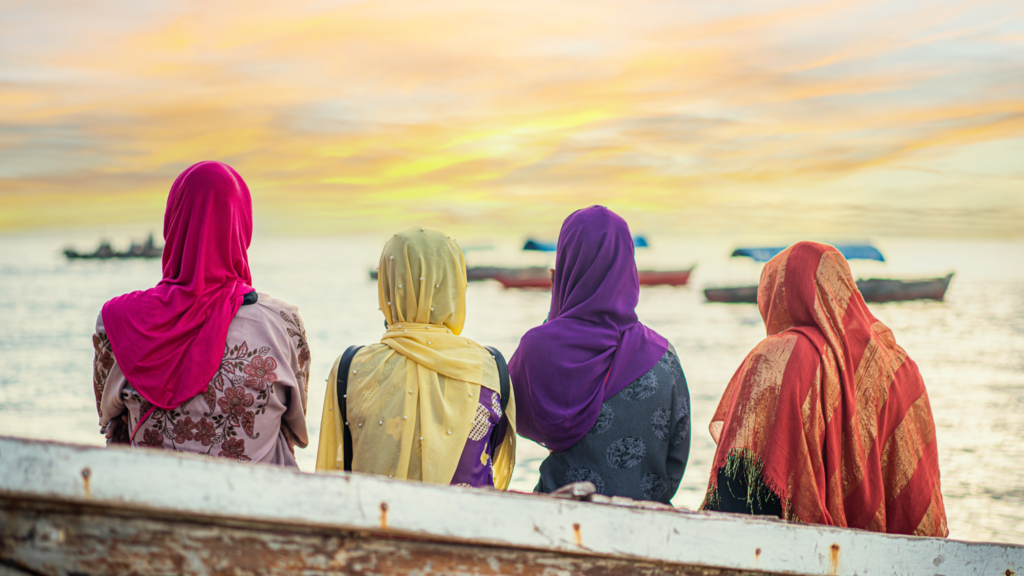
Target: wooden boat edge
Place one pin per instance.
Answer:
(151, 481)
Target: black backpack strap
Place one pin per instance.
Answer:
(342, 385)
(505, 385)
(506, 382)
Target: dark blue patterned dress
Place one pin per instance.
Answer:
(640, 443)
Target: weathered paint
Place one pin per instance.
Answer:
(193, 497)
(133, 543)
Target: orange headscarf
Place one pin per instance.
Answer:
(828, 412)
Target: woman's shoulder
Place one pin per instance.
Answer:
(271, 309)
(271, 314)
(777, 349)
(275, 305)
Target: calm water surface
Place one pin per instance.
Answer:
(969, 348)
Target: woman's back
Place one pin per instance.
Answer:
(424, 403)
(253, 409)
(200, 362)
(639, 445)
(603, 392)
(827, 420)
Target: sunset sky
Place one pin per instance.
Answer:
(848, 117)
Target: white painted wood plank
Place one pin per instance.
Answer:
(196, 485)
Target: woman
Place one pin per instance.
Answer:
(424, 403)
(202, 362)
(599, 389)
(827, 420)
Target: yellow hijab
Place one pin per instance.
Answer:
(413, 398)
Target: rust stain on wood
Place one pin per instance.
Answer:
(576, 532)
(834, 559)
(86, 474)
(384, 515)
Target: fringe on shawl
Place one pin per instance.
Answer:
(744, 465)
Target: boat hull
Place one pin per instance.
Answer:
(82, 539)
(883, 290)
(68, 509)
(541, 278)
(873, 290)
(475, 273)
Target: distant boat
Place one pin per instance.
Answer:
(538, 246)
(873, 290)
(849, 251)
(473, 273)
(105, 252)
(538, 277)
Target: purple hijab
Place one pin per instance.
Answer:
(592, 346)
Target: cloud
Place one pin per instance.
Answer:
(356, 115)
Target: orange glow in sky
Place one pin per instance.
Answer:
(851, 117)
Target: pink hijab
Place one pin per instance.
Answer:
(169, 340)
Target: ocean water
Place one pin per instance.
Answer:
(970, 348)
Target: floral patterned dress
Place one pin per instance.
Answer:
(640, 443)
(253, 410)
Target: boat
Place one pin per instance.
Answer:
(738, 294)
(887, 290)
(665, 277)
(106, 252)
(72, 509)
(538, 277)
(542, 246)
(873, 290)
(532, 277)
(849, 251)
(473, 273)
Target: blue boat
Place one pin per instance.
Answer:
(873, 289)
(538, 246)
(849, 251)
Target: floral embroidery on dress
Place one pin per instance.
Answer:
(235, 449)
(260, 372)
(299, 333)
(205, 432)
(102, 362)
(234, 402)
(236, 396)
(232, 415)
(152, 439)
(183, 430)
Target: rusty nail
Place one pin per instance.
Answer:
(86, 473)
(757, 552)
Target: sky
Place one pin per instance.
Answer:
(850, 118)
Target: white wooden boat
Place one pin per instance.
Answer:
(67, 509)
